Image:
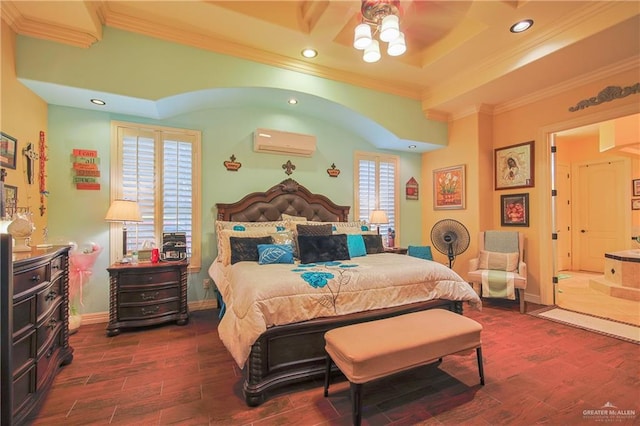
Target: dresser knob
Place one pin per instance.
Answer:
(146, 296)
(35, 278)
(52, 323)
(52, 295)
(150, 311)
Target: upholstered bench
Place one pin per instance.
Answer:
(376, 349)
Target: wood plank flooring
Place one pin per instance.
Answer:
(536, 371)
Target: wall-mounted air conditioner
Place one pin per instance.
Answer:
(277, 142)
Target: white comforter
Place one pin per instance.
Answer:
(261, 296)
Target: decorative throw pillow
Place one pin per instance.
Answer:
(322, 229)
(293, 218)
(252, 229)
(246, 249)
(498, 261)
(373, 243)
(356, 227)
(323, 248)
(224, 245)
(275, 253)
(422, 252)
(356, 246)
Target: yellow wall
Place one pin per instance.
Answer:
(22, 115)
(469, 144)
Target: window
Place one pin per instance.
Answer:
(159, 168)
(376, 183)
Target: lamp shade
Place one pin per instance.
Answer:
(390, 28)
(378, 217)
(123, 211)
(372, 52)
(397, 47)
(362, 37)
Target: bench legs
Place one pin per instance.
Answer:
(356, 388)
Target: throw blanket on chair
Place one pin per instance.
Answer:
(501, 241)
(498, 284)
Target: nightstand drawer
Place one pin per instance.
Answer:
(148, 311)
(155, 294)
(145, 278)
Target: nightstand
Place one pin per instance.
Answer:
(396, 250)
(146, 294)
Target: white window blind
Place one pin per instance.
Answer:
(377, 183)
(159, 168)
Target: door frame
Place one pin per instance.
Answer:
(547, 206)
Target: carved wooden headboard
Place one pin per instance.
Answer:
(288, 197)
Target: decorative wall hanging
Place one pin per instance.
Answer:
(42, 157)
(10, 201)
(85, 166)
(30, 156)
(514, 166)
(8, 149)
(333, 172)
(635, 204)
(515, 210)
(635, 190)
(449, 188)
(411, 190)
(232, 165)
(288, 167)
(607, 94)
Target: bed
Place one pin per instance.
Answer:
(275, 315)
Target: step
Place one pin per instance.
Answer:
(612, 289)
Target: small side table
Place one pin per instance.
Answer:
(396, 250)
(146, 294)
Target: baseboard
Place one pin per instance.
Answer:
(103, 317)
(533, 298)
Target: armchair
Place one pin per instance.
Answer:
(499, 269)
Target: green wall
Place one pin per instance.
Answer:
(79, 215)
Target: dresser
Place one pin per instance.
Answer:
(145, 294)
(34, 325)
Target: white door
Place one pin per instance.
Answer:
(563, 216)
(598, 204)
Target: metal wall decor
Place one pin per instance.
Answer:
(288, 167)
(607, 94)
(233, 165)
(333, 171)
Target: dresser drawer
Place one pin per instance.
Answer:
(48, 297)
(24, 315)
(24, 387)
(129, 279)
(24, 352)
(49, 326)
(155, 294)
(50, 353)
(148, 311)
(26, 280)
(57, 266)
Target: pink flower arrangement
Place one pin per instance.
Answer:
(81, 263)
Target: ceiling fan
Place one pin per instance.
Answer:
(450, 237)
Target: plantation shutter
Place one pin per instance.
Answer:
(376, 183)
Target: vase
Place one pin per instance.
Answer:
(74, 323)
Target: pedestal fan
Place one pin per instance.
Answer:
(450, 237)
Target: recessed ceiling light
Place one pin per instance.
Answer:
(292, 101)
(98, 102)
(521, 26)
(309, 53)
(412, 146)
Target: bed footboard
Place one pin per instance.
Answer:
(295, 352)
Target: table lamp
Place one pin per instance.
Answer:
(123, 211)
(378, 217)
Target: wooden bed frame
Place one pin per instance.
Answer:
(292, 353)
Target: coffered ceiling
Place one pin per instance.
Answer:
(460, 54)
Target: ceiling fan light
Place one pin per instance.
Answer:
(397, 47)
(372, 52)
(362, 37)
(390, 28)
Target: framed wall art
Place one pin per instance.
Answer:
(635, 187)
(635, 204)
(8, 149)
(11, 201)
(515, 210)
(514, 166)
(449, 188)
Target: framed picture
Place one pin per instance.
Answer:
(514, 166)
(635, 204)
(449, 188)
(8, 149)
(635, 185)
(515, 210)
(11, 201)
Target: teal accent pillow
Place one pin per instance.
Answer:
(275, 253)
(423, 252)
(355, 242)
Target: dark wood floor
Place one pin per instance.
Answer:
(537, 371)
